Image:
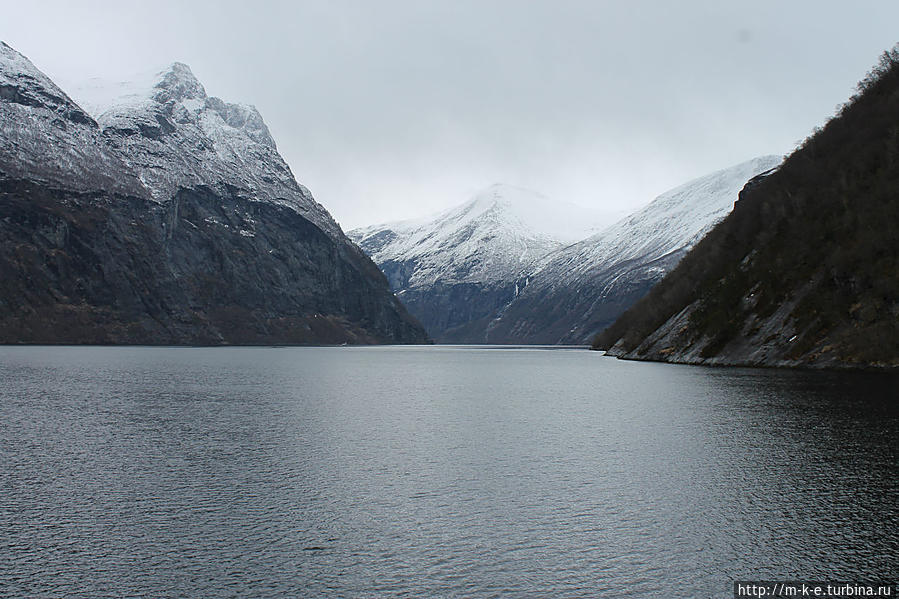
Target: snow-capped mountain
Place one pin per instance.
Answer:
(495, 270)
(49, 138)
(467, 261)
(170, 218)
(204, 141)
(496, 235)
(579, 290)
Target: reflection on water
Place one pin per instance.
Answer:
(275, 472)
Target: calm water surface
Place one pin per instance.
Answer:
(438, 471)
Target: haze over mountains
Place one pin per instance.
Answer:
(170, 218)
(157, 214)
(502, 267)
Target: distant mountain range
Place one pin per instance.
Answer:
(168, 217)
(805, 271)
(467, 263)
(512, 266)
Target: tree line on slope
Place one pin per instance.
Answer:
(820, 231)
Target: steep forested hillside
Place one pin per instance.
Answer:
(805, 270)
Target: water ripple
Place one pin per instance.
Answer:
(361, 472)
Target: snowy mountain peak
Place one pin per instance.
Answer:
(496, 269)
(501, 204)
(499, 209)
(175, 93)
(179, 83)
(500, 232)
(175, 84)
(176, 136)
(171, 218)
(530, 213)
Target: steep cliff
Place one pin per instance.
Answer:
(171, 219)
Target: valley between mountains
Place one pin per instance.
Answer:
(512, 266)
(148, 212)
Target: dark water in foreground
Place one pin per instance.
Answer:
(252, 472)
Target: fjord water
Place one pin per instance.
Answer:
(434, 471)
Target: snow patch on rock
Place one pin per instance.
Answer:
(494, 237)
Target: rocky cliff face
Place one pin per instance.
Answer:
(805, 271)
(171, 219)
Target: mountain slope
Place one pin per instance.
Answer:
(464, 264)
(805, 271)
(49, 138)
(172, 220)
(168, 118)
(581, 289)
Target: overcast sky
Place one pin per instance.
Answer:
(395, 109)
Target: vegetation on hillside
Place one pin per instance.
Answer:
(819, 235)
